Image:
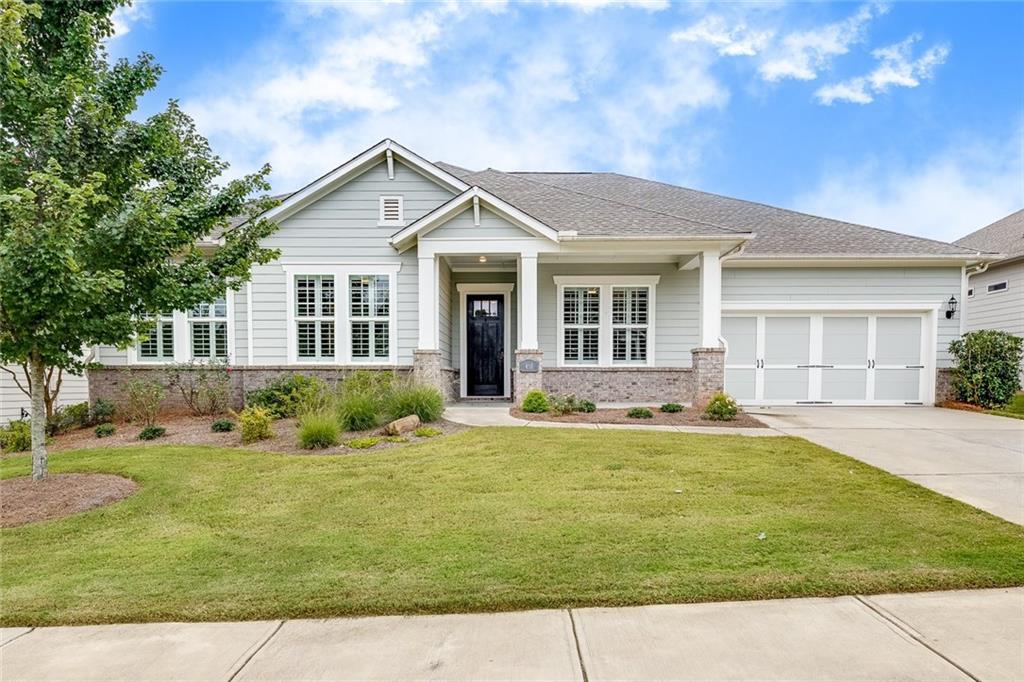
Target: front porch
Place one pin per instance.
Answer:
(640, 325)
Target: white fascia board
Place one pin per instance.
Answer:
(845, 306)
(354, 167)
(851, 260)
(402, 240)
(676, 246)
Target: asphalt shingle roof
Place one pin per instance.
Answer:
(1004, 236)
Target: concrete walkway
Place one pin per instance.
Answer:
(497, 414)
(931, 636)
(973, 457)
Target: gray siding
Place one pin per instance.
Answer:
(932, 284)
(1001, 310)
(73, 389)
(492, 226)
(677, 308)
(342, 228)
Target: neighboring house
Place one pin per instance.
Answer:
(995, 292)
(611, 287)
(14, 403)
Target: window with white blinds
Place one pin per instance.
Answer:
(314, 316)
(581, 324)
(158, 343)
(370, 317)
(629, 324)
(208, 329)
(606, 321)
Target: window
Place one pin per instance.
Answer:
(370, 317)
(208, 329)
(391, 211)
(158, 344)
(606, 321)
(629, 324)
(970, 293)
(581, 324)
(997, 287)
(314, 316)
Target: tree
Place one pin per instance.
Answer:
(100, 213)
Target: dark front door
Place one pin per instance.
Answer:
(485, 344)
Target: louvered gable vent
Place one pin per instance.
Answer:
(391, 211)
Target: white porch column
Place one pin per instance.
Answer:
(528, 301)
(428, 303)
(710, 299)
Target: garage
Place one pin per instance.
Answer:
(858, 356)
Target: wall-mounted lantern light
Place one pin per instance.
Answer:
(951, 307)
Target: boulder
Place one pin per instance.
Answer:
(400, 426)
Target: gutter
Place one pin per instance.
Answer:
(572, 235)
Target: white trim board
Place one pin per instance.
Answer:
(505, 290)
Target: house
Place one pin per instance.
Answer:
(995, 292)
(14, 404)
(490, 283)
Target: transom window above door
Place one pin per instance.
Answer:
(605, 321)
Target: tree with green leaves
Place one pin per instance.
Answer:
(102, 215)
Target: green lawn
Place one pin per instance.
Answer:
(1014, 409)
(490, 519)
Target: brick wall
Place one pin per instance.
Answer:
(621, 384)
(943, 384)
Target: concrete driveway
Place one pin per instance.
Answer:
(973, 457)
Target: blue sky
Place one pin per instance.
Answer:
(908, 116)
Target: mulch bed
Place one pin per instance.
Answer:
(183, 430)
(23, 500)
(609, 415)
(956, 405)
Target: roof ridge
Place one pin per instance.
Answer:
(789, 210)
(621, 203)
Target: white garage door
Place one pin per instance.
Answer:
(826, 358)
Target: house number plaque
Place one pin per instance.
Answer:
(529, 366)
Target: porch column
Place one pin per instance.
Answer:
(426, 359)
(427, 303)
(710, 299)
(709, 359)
(528, 371)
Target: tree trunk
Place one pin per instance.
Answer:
(38, 371)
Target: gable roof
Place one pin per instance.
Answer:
(1004, 236)
(780, 232)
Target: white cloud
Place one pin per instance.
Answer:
(735, 41)
(801, 55)
(897, 68)
(588, 6)
(945, 197)
(126, 15)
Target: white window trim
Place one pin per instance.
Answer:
(605, 284)
(342, 339)
(989, 290)
(228, 318)
(401, 211)
(319, 319)
(505, 290)
(183, 339)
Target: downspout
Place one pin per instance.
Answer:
(735, 252)
(965, 276)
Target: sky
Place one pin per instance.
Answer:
(906, 116)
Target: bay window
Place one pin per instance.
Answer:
(606, 321)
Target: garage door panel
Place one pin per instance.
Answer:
(844, 384)
(740, 334)
(845, 341)
(898, 384)
(741, 383)
(898, 341)
(786, 384)
(787, 340)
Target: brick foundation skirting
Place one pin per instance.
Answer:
(943, 384)
(621, 384)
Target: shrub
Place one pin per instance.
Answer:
(142, 399)
(427, 432)
(425, 402)
(204, 386)
(67, 418)
(639, 413)
(358, 412)
(671, 407)
(318, 430)
(395, 439)
(363, 443)
(721, 408)
(562, 404)
(152, 433)
(104, 430)
(535, 401)
(377, 385)
(102, 412)
(255, 424)
(587, 406)
(17, 436)
(222, 426)
(987, 367)
(283, 396)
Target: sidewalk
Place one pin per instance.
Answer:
(929, 636)
(497, 414)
